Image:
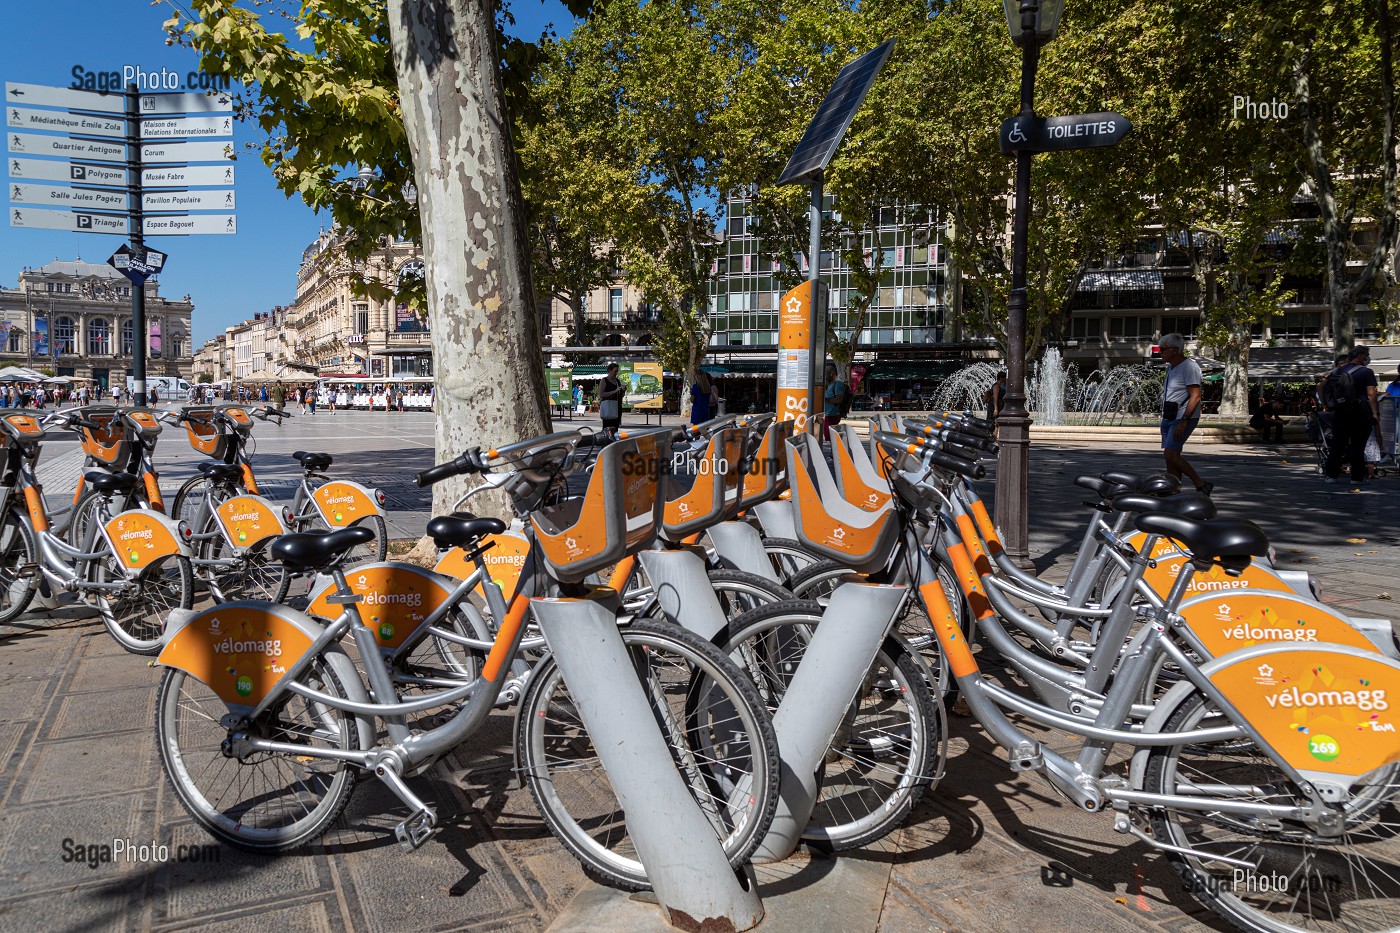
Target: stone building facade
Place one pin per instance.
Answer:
(75, 318)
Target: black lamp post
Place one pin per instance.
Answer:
(1032, 23)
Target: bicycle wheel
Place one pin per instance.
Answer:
(737, 591)
(884, 753)
(18, 579)
(250, 575)
(135, 614)
(712, 718)
(189, 500)
(76, 532)
(1303, 881)
(265, 802)
(788, 556)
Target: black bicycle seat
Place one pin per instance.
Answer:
(460, 528)
(1101, 487)
(313, 462)
(1224, 539)
(1190, 505)
(106, 482)
(316, 550)
(219, 472)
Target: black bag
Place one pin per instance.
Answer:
(845, 404)
(1170, 410)
(1339, 390)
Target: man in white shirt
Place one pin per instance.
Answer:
(1181, 409)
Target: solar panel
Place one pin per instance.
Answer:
(825, 131)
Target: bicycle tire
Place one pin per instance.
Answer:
(137, 620)
(185, 506)
(548, 733)
(884, 752)
(1322, 870)
(76, 532)
(253, 574)
(181, 700)
(788, 557)
(17, 551)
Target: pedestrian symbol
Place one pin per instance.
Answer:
(15, 196)
(19, 218)
(17, 143)
(227, 128)
(228, 199)
(229, 225)
(228, 174)
(14, 167)
(14, 116)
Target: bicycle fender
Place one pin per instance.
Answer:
(247, 520)
(139, 537)
(1226, 622)
(395, 600)
(242, 650)
(342, 503)
(505, 561)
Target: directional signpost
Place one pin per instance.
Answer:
(82, 156)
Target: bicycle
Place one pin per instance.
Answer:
(282, 665)
(133, 565)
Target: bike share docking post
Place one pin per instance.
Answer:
(683, 590)
(827, 681)
(740, 547)
(675, 842)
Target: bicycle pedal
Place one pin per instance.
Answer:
(413, 832)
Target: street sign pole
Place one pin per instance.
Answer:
(138, 290)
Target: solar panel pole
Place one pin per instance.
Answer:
(816, 382)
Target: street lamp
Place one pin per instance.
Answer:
(1032, 23)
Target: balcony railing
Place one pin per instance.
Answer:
(410, 340)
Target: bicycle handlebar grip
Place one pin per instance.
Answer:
(956, 464)
(970, 454)
(436, 474)
(980, 423)
(975, 442)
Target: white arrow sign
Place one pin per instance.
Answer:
(31, 144)
(186, 103)
(55, 196)
(186, 127)
(187, 152)
(188, 200)
(79, 124)
(187, 176)
(195, 223)
(38, 95)
(49, 170)
(67, 220)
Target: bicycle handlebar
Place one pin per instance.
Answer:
(469, 462)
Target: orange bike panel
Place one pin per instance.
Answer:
(945, 626)
(249, 483)
(397, 599)
(969, 581)
(973, 542)
(504, 562)
(239, 417)
(140, 538)
(341, 504)
(246, 520)
(820, 527)
(107, 444)
(1230, 621)
(987, 527)
(1215, 580)
(853, 488)
(34, 502)
(1321, 709)
(145, 419)
(239, 651)
(25, 425)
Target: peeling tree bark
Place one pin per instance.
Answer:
(490, 371)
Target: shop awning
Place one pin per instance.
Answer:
(1121, 280)
(741, 369)
(913, 370)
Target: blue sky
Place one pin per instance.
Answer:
(228, 277)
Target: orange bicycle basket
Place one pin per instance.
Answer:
(618, 514)
(826, 523)
(713, 495)
(107, 444)
(204, 433)
(766, 477)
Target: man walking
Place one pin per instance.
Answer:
(1181, 409)
(1350, 395)
(836, 401)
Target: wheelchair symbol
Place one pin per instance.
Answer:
(1016, 136)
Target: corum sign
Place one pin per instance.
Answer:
(162, 79)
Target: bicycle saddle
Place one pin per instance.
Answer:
(1232, 541)
(460, 528)
(312, 462)
(103, 481)
(1192, 505)
(314, 550)
(218, 472)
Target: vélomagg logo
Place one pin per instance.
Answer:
(1365, 700)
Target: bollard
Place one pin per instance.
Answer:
(740, 547)
(683, 590)
(841, 651)
(684, 861)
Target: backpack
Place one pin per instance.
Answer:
(845, 405)
(1339, 389)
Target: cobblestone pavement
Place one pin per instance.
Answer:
(989, 850)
